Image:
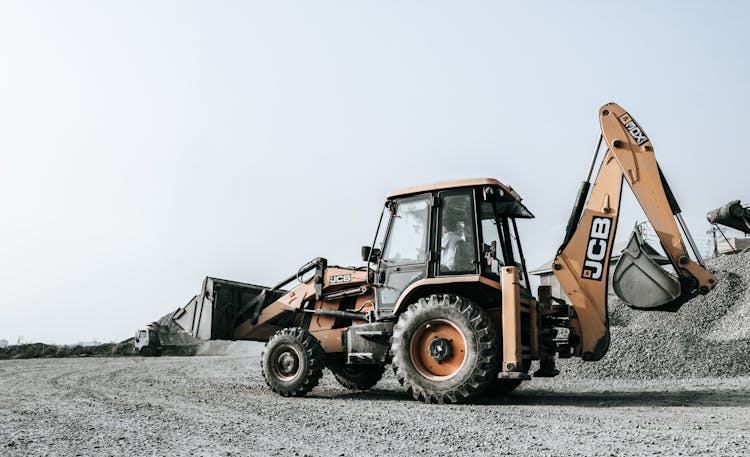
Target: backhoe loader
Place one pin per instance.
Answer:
(445, 298)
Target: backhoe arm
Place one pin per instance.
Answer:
(582, 263)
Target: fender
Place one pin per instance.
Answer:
(403, 299)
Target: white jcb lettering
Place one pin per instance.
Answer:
(340, 278)
(600, 228)
(594, 269)
(596, 248)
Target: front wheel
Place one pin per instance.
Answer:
(293, 362)
(444, 349)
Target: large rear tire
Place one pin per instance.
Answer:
(444, 349)
(358, 377)
(292, 363)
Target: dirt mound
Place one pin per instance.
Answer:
(41, 350)
(708, 336)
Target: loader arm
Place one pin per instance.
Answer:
(582, 263)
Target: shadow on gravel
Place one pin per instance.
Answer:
(374, 394)
(698, 398)
(691, 398)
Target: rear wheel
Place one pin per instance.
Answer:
(293, 362)
(358, 377)
(444, 349)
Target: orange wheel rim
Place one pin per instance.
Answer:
(438, 349)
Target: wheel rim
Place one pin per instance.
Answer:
(285, 363)
(438, 349)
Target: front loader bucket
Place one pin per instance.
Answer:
(639, 281)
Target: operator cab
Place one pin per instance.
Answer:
(453, 232)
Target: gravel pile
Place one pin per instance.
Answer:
(41, 350)
(708, 337)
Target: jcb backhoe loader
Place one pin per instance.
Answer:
(445, 295)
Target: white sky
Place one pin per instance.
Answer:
(145, 145)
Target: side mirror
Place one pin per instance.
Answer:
(370, 254)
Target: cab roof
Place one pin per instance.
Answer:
(453, 185)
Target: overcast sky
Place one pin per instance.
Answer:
(145, 145)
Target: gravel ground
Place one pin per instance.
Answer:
(221, 406)
(671, 384)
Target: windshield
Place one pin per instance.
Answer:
(407, 237)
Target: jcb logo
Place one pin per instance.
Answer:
(340, 278)
(633, 128)
(596, 249)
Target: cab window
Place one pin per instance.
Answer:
(516, 246)
(407, 238)
(491, 237)
(457, 234)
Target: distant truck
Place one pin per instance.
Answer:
(211, 315)
(158, 339)
(147, 343)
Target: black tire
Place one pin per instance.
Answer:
(358, 377)
(428, 362)
(292, 362)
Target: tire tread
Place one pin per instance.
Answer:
(485, 369)
(315, 362)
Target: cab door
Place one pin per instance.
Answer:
(457, 237)
(405, 254)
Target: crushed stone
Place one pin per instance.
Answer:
(708, 337)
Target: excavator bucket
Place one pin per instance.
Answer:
(638, 279)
